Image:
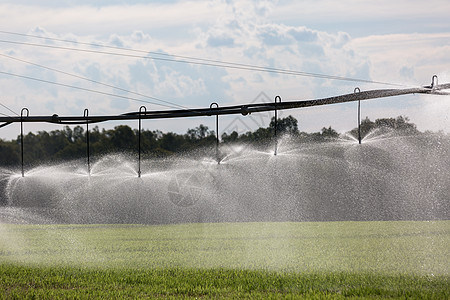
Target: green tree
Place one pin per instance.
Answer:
(171, 142)
(199, 132)
(232, 137)
(288, 125)
(124, 138)
(9, 154)
(329, 133)
(78, 134)
(33, 148)
(149, 142)
(400, 124)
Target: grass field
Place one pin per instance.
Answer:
(318, 259)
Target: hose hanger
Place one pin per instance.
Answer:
(277, 100)
(142, 109)
(86, 115)
(21, 133)
(357, 90)
(217, 130)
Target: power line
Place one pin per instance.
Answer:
(8, 109)
(83, 89)
(93, 81)
(197, 61)
(118, 48)
(219, 62)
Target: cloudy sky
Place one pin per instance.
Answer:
(392, 42)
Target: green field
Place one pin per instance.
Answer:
(329, 259)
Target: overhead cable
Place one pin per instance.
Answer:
(84, 89)
(211, 63)
(8, 109)
(93, 81)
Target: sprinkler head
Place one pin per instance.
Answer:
(55, 118)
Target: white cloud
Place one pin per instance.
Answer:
(424, 54)
(350, 13)
(86, 20)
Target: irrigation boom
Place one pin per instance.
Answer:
(215, 110)
(244, 109)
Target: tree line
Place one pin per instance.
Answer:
(69, 144)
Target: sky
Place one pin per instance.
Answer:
(48, 62)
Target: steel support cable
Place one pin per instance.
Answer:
(84, 89)
(93, 81)
(88, 90)
(5, 124)
(222, 65)
(9, 109)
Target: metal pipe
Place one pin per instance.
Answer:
(277, 100)
(86, 115)
(217, 131)
(236, 109)
(21, 133)
(357, 90)
(141, 109)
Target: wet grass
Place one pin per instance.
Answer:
(258, 260)
(69, 282)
